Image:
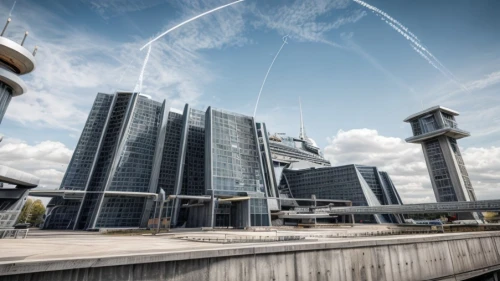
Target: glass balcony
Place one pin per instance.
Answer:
(432, 129)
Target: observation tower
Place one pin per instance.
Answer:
(437, 131)
(15, 60)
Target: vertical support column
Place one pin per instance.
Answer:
(181, 158)
(94, 162)
(120, 143)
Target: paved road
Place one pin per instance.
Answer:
(49, 245)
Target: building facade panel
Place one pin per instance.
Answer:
(78, 171)
(170, 155)
(193, 180)
(133, 172)
(5, 97)
(341, 183)
(234, 169)
(110, 142)
(122, 212)
(439, 172)
(235, 154)
(61, 214)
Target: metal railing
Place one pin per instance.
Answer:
(441, 207)
(437, 127)
(13, 233)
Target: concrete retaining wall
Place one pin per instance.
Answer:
(446, 257)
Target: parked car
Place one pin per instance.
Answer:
(22, 226)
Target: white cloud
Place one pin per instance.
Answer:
(479, 106)
(303, 20)
(73, 65)
(406, 165)
(47, 160)
(111, 8)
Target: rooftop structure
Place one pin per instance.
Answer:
(437, 131)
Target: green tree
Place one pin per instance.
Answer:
(32, 212)
(37, 212)
(24, 212)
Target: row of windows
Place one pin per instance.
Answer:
(440, 171)
(78, 171)
(193, 182)
(168, 169)
(110, 142)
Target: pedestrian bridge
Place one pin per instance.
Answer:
(12, 176)
(427, 208)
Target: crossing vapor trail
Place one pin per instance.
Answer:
(267, 74)
(12, 9)
(189, 20)
(138, 87)
(414, 42)
(385, 15)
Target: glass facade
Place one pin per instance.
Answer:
(439, 171)
(62, 213)
(416, 128)
(463, 170)
(234, 167)
(5, 97)
(449, 120)
(340, 183)
(393, 195)
(135, 164)
(79, 168)
(170, 157)
(193, 182)
(371, 176)
(120, 212)
(235, 155)
(110, 142)
(113, 131)
(259, 215)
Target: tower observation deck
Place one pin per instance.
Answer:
(15, 60)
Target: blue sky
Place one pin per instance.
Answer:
(357, 77)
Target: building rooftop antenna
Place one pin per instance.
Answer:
(302, 133)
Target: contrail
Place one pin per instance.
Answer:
(425, 57)
(384, 14)
(189, 20)
(138, 87)
(415, 42)
(422, 51)
(269, 70)
(12, 9)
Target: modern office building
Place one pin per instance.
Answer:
(15, 60)
(137, 161)
(133, 152)
(363, 185)
(110, 175)
(437, 131)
